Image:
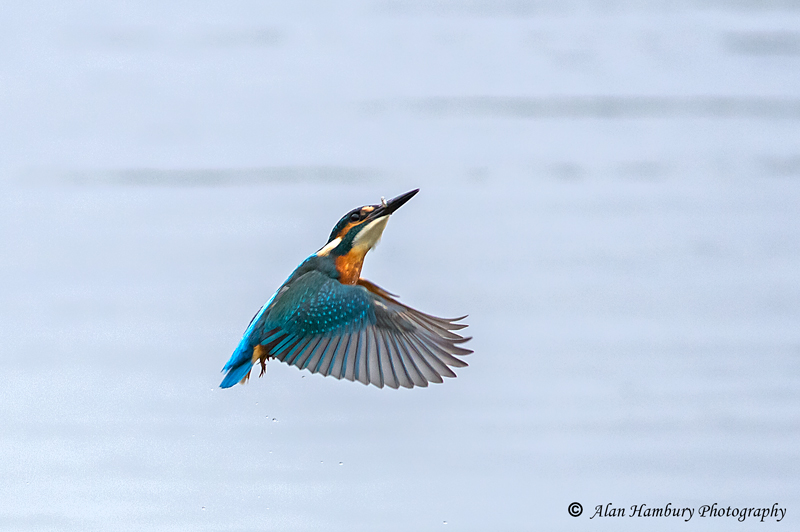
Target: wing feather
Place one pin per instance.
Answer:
(439, 367)
(289, 355)
(283, 345)
(325, 362)
(349, 365)
(407, 355)
(316, 356)
(439, 350)
(401, 370)
(373, 359)
(424, 369)
(336, 369)
(274, 334)
(303, 355)
(388, 369)
(361, 360)
(431, 326)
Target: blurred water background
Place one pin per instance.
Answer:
(609, 189)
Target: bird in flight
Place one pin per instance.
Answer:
(327, 319)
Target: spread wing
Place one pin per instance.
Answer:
(359, 332)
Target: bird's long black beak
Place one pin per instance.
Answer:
(388, 207)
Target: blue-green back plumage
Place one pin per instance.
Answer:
(316, 304)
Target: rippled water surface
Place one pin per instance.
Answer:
(610, 191)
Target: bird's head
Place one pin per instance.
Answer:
(357, 232)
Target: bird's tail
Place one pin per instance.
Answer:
(239, 366)
(236, 374)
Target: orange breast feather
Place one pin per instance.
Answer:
(349, 266)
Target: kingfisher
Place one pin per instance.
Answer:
(327, 319)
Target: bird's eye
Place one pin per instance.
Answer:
(355, 217)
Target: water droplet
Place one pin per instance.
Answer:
(274, 420)
(341, 463)
(444, 522)
(202, 507)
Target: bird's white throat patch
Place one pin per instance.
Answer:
(371, 234)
